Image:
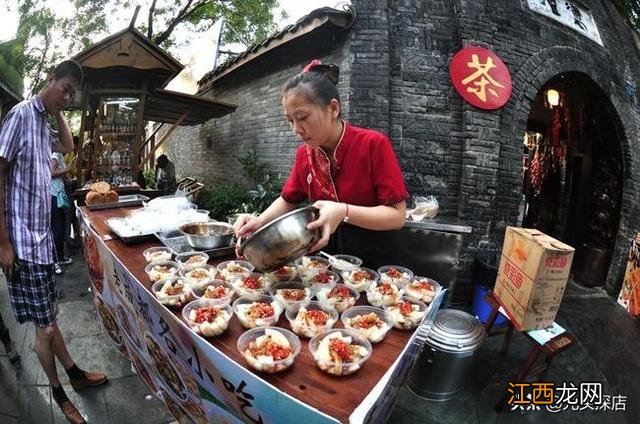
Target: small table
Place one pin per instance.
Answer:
(550, 349)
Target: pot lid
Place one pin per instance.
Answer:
(456, 331)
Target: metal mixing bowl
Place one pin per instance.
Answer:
(207, 235)
(281, 240)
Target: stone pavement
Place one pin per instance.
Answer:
(607, 351)
(25, 396)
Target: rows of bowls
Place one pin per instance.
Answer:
(263, 297)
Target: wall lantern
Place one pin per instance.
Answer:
(553, 98)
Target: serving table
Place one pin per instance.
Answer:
(208, 379)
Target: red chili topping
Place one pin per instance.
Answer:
(367, 321)
(268, 347)
(261, 310)
(405, 308)
(422, 285)
(284, 270)
(322, 278)
(340, 348)
(393, 273)
(340, 292)
(293, 294)
(318, 317)
(215, 292)
(206, 315)
(385, 289)
(252, 283)
(361, 275)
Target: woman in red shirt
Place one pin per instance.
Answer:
(350, 174)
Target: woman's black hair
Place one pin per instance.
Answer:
(318, 80)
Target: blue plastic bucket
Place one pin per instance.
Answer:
(481, 309)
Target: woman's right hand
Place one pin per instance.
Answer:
(245, 225)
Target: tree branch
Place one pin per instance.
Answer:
(152, 8)
(181, 17)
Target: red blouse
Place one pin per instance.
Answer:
(366, 172)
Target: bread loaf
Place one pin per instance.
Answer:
(111, 197)
(100, 187)
(94, 198)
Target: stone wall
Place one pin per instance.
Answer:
(395, 64)
(209, 151)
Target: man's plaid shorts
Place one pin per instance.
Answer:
(33, 293)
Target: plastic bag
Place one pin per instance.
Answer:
(424, 207)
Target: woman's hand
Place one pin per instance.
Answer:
(331, 216)
(245, 225)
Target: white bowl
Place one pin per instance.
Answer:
(422, 288)
(161, 270)
(232, 270)
(199, 275)
(243, 306)
(310, 318)
(252, 284)
(252, 339)
(159, 289)
(211, 291)
(287, 291)
(157, 254)
(395, 274)
(189, 259)
(383, 293)
(207, 328)
(372, 323)
(406, 319)
(319, 346)
(339, 297)
(360, 279)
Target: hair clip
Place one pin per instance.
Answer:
(309, 66)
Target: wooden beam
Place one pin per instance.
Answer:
(166, 135)
(151, 136)
(137, 142)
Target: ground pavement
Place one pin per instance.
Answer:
(607, 351)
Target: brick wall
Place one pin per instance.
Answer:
(394, 63)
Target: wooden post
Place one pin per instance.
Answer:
(80, 152)
(167, 134)
(137, 142)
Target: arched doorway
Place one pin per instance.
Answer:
(573, 175)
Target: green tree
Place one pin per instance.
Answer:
(44, 38)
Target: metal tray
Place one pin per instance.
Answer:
(126, 239)
(123, 201)
(177, 242)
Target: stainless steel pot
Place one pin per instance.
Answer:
(281, 240)
(207, 235)
(448, 357)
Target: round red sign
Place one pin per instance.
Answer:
(481, 78)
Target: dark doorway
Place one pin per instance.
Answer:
(573, 172)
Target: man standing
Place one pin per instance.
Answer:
(165, 175)
(26, 248)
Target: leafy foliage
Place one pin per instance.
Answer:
(44, 38)
(227, 198)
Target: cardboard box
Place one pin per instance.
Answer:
(532, 276)
(629, 296)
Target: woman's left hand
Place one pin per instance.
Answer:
(331, 216)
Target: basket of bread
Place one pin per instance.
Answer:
(101, 193)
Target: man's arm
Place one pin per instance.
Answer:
(65, 139)
(7, 254)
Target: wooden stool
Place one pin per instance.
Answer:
(550, 349)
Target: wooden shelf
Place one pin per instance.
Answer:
(118, 133)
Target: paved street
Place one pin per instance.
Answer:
(606, 351)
